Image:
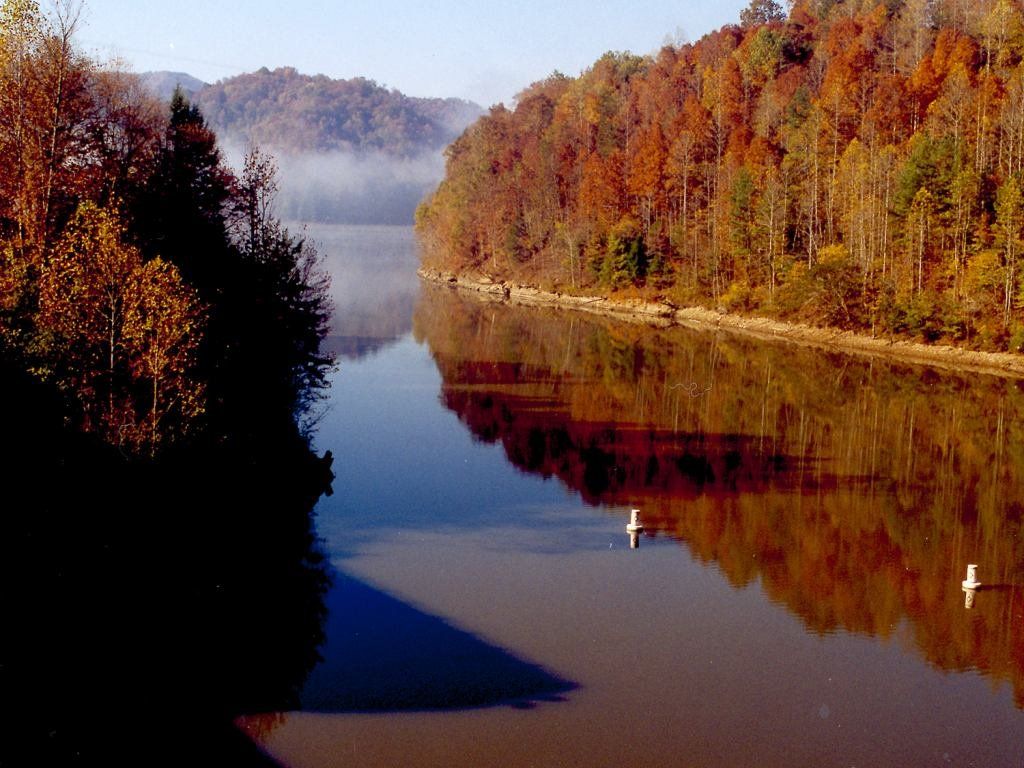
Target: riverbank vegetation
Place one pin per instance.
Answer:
(851, 164)
(139, 277)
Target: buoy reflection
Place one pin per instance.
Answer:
(634, 528)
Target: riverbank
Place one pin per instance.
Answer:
(663, 315)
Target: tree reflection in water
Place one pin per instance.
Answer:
(147, 605)
(854, 489)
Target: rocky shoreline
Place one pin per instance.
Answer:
(664, 314)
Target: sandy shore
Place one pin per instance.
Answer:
(660, 314)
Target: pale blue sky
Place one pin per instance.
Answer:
(472, 49)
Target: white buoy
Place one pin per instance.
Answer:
(969, 598)
(971, 582)
(634, 525)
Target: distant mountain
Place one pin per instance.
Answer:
(162, 84)
(289, 111)
(349, 151)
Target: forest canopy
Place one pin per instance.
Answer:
(855, 164)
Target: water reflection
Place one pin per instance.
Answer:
(373, 285)
(854, 490)
(146, 606)
(634, 528)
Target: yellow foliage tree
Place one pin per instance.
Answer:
(162, 326)
(122, 334)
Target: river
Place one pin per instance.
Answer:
(794, 599)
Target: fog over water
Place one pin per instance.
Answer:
(346, 188)
(373, 283)
(349, 187)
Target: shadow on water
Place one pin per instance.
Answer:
(147, 605)
(383, 655)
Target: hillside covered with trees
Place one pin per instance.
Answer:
(855, 164)
(350, 151)
(293, 112)
(163, 84)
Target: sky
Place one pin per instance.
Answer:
(472, 49)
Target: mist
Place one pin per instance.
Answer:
(373, 284)
(350, 188)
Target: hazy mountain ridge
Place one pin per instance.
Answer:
(294, 112)
(162, 84)
(349, 151)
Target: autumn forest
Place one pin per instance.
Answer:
(851, 164)
(181, 582)
(139, 277)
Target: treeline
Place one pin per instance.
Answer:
(139, 277)
(852, 163)
(293, 112)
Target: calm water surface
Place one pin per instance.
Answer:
(795, 598)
